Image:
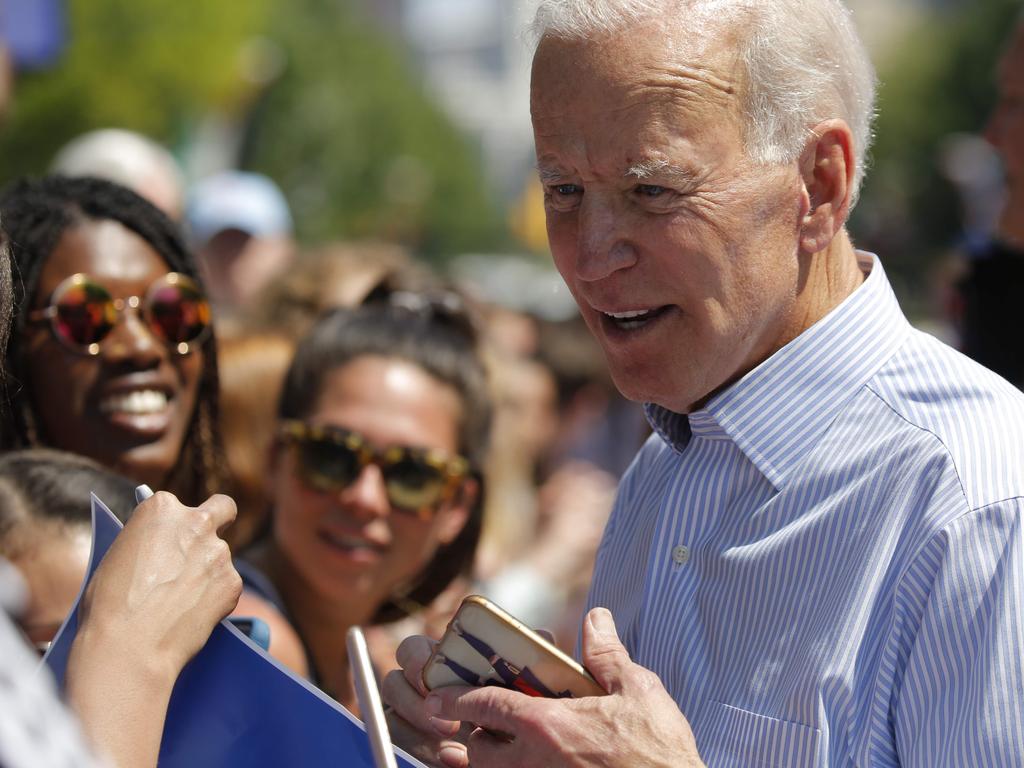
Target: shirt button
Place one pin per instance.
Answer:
(680, 554)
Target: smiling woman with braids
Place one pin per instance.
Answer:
(111, 354)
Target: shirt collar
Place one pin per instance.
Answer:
(780, 409)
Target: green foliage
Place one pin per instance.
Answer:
(357, 145)
(347, 130)
(940, 81)
(147, 65)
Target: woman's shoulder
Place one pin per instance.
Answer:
(261, 600)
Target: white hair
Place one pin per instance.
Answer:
(804, 63)
(126, 158)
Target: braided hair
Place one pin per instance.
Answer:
(35, 215)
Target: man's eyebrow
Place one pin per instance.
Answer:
(662, 169)
(549, 174)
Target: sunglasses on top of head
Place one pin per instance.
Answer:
(82, 312)
(416, 480)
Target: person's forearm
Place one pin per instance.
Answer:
(120, 698)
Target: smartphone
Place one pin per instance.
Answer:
(483, 645)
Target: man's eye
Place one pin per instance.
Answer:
(650, 190)
(565, 190)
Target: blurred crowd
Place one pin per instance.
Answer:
(394, 439)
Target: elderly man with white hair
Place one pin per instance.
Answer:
(817, 559)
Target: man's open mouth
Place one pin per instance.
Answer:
(634, 319)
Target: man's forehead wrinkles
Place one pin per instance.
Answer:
(681, 75)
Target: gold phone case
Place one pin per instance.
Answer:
(483, 645)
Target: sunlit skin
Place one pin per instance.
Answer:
(654, 204)
(52, 560)
(1006, 133)
(68, 389)
(330, 588)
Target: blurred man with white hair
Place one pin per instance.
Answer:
(817, 559)
(130, 159)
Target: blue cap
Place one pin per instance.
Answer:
(250, 202)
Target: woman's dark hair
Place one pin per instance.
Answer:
(41, 485)
(436, 335)
(6, 293)
(36, 213)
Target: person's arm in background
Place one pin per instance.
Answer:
(152, 604)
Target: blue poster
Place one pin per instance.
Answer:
(233, 705)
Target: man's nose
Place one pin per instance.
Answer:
(605, 238)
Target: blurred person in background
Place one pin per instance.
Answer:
(328, 277)
(129, 159)
(252, 367)
(112, 354)
(255, 351)
(383, 425)
(241, 227)
(561, 435)
(46, 528)
(990, 293)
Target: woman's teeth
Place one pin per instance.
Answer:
(349, 542)
(141, 402)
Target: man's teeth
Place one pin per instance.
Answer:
(142, 401)
(628, 315)
(636, 318)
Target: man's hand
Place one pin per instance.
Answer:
(412, 727)
(637, 724)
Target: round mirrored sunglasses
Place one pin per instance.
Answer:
(82, 313)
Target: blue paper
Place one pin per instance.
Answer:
(233, 705)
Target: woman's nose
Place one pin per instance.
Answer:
(367, 494)
(132, 340)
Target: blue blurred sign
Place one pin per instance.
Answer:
(34, 31)
(233, 705)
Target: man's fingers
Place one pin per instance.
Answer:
(603, 653)
(412, 656)
(486, 749)
(408, 704)
(497, 709)
(454, 756)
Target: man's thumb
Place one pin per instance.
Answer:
(603, 652)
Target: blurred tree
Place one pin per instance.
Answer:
(146, 65)
(941, 80)
(358, 147)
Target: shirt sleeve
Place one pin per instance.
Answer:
(36, 730)
(958, 645)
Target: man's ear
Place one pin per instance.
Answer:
(827, 168)
(455, 514)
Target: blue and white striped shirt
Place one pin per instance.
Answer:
(825, 566)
